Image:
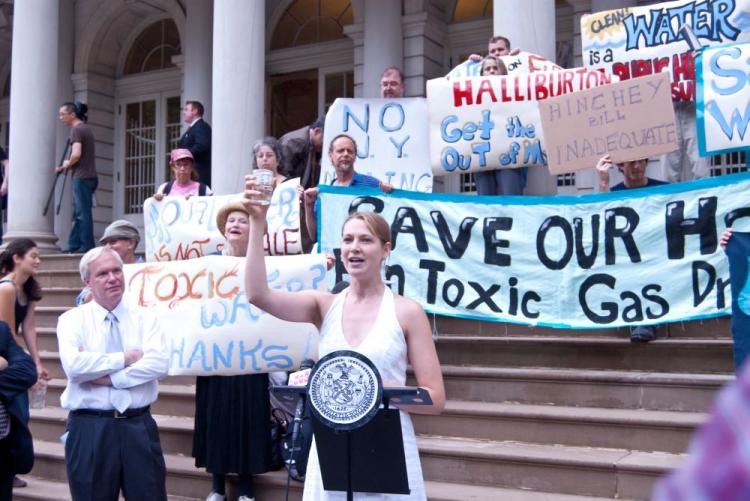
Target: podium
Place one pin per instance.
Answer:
(357, 434)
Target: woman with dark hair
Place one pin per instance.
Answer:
(19, 293)
(267, 155)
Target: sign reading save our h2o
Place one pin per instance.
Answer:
(641, 256)
(486, 123)
(392, 142)
(723, 103)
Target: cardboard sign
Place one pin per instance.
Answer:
(624, 258)
(523, 62)
(210, 326)
(177, 229)
(486, 123)
(628, 120)
(391, 137)
(636, 41)
(723, 106)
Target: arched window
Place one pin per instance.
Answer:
(312, 21)
(154, 48)
(466, 10)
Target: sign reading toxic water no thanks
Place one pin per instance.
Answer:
(628, 120)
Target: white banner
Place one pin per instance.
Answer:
(485, 123)
(392, 141)
(523, 62)
(210, 326)
(634, 41)
(632, 257)
(177, 228)
(723, 101)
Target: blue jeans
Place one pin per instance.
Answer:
(500, 182)
(82, 234)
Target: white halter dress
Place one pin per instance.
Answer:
(385, 345)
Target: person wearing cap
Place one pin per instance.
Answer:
(232, 413)
(122, 237)
(185, 180)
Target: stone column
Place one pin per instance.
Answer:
(198, 45)
(530, 26)
(383, 42)
(238, 90)
(33, 115)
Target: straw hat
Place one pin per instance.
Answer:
(223, 214)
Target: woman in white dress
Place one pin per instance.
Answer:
(389, 329)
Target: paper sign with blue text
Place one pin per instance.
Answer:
(523, 62)
(391, 137)
(723, 105)
(634, 41)
(628, 120)
(210, 326)
(632, 257)
(177, 228)
(486, 123)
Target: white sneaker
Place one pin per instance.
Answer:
(215, 497)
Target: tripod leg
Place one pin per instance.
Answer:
(62, 193)
(51, 194)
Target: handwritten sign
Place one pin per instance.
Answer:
(629, 120)
(392, 142)
(632, 257)
(634, 41)
(178, 229)
(211, 328)
(523, 62)
(480, 124)
(723, 106)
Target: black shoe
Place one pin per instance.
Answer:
(19, 482)
(642, 334)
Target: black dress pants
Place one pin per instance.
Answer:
(106, 454)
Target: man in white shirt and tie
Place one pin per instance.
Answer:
(113, 354)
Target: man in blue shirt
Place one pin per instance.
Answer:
(343, 153)
(634, 174)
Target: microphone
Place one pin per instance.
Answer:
(300, 378)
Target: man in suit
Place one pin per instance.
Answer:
(17, 374)
(197, 139)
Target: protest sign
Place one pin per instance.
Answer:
(177, 228)
(723, 102)
(635, 41)
(480, 124)
(523, 62)
(631, 257)
(392, 142)
(210, 326)
(628, 120)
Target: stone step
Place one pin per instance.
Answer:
(584, 388)
(60, 296)
(60, 262)
(59, 278)
(552, 468)
(707, 328)
(575, 426)
(184, 482)
(662, 355)
(46, 316)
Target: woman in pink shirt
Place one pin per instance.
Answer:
(185, 180)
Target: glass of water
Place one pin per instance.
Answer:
(264, 178)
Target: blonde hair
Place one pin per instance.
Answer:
(374, 222)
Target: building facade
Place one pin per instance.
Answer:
(260, 67)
